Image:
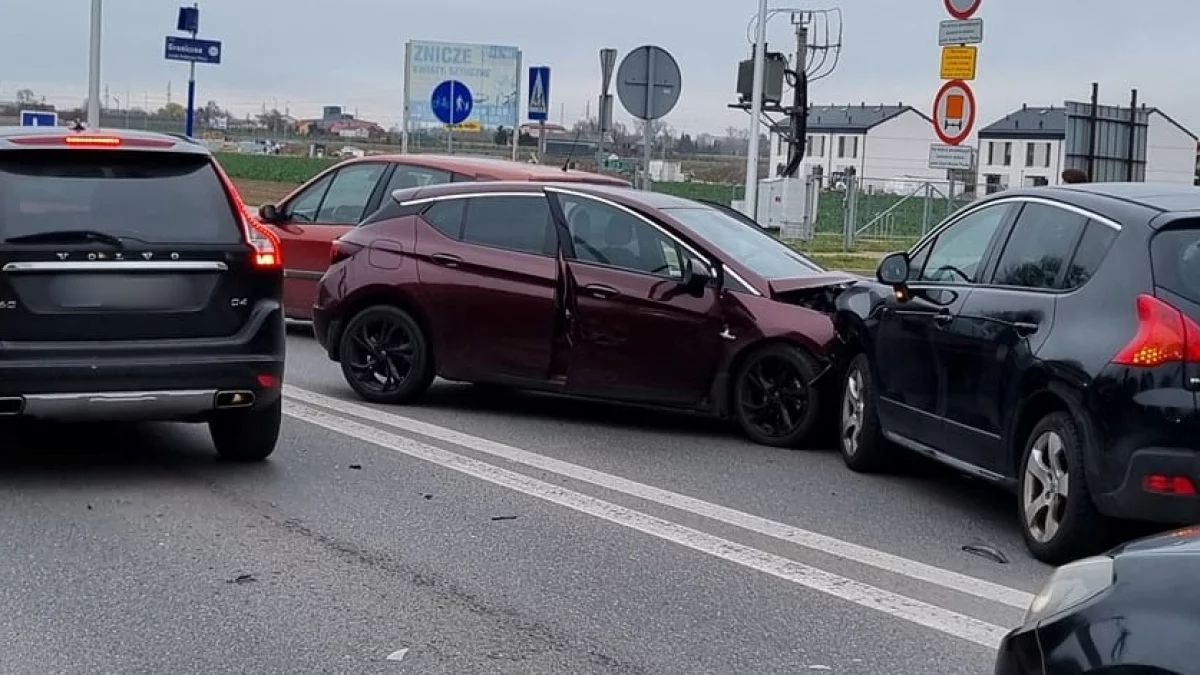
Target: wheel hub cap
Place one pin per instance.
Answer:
(1046, 487)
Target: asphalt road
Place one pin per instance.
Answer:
(485, 532)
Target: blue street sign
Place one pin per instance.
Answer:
(38, 118)
(451, 102)
(193, 49)
(539, 93)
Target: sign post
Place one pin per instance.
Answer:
(193, 51)
(539, 103)
(452, 103)
(954, 107)
(608, 61)
(648, 84)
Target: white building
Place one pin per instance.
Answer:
(1028, 148)
(883, 143)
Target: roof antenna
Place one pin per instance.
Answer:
(78, 126)
(574, 144)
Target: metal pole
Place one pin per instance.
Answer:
(93, 109)
(756, 106)
(799, 126)
(516, 135)
(647, 136)
(450, 126)
(1093, 131)
(404, 121)
(1133, 118)
(191, 95)
(600, 128)
(542, 141)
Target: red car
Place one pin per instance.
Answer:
(586, 290)
(326, 207)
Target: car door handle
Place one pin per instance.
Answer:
(1025, 328)
(600, 291)
(445, 259)
(943, 318)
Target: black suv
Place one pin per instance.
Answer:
(135, 286)
(1045, 340)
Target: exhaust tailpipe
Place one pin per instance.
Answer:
(238, 398)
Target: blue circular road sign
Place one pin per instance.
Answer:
(451, 102)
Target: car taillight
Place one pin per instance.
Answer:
(341, 250)
(1164, 335)
(268, 251)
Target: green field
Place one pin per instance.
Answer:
(898, 222)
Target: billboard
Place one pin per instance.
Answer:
(491, 73)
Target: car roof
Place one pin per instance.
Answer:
(1160, 197)
(624, 195)
(501, 169)
(11, 137)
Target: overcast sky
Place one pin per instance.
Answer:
(307, 53)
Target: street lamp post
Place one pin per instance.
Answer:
(756, 106)
(93, 108)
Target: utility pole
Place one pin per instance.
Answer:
(93, 111)
(799, 125)
(756, 106)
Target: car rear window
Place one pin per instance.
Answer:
(158, 198)
(1175, 255)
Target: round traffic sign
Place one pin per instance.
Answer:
(451, 102)
(649, 82)
(954, 112)
(962, 9)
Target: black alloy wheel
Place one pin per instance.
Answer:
(774, 398)
(385, 356)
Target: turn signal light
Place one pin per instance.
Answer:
(1169, 485)
(1164, 335)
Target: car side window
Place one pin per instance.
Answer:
(446, 217)
(1097, 239)
(1039, 247)
(606, 235)
(514, 223)
(304, 207)
(346, 200)
(407, 176)
(956, 256)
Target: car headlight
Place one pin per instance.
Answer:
(1071, 585)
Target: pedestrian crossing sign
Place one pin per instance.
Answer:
(539, 93)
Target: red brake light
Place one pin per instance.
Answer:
(1164, 335)
(92, 140)
(267, 249)
(1169, 485)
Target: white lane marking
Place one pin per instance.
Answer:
(889, 562)
(397, 655)
(931, 616)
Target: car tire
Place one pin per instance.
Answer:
(364, 362)
(247, 435)
(860, 439)
(753, 404)
(1053, 462)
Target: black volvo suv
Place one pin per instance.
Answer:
(135, 286)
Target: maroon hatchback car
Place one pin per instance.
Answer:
(586, 290)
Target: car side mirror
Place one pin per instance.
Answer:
(696, 277)
(893, 270)
(269, 213)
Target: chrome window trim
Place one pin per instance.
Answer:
(969, 210)
(116, 266)
(656, 226)
(470, 195)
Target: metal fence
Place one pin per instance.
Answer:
(867, 214)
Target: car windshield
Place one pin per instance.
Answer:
(745, 243)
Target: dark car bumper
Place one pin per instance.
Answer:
(1133, 499)
(327, 330)
(1019, 654)
(177, 380)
